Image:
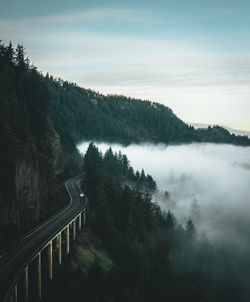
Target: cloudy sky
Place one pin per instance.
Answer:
(193, 56)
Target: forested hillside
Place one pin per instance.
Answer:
(83, 114)
(91, 116)
(132, 251)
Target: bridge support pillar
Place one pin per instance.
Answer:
(26, 283)
(15, 293)
(67, 239)
(59, 246)
(74, 229)
(50, 254)
(39, 276)
(80, 221)
(84, 217)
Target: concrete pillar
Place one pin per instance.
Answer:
(26, 283)
(15, 293)
(84, 217)
(80, 221)
(74, 229)
(50, 255)
(67, 239)
(39, 276)
(59, 246)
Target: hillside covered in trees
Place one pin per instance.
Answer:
(83, 114)
(135, 252)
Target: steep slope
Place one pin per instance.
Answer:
(83, 114)
(89, 115)
(32, 157)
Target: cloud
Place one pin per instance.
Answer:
(86, 48)
(112, 15)
(184, 74)
(102, 58)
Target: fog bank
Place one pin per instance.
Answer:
(208, 182)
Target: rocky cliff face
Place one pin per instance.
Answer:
(31, 188)
(26, 203)
(34, 162)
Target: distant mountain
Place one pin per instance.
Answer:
(231, 130)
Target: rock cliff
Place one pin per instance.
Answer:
(34, 162)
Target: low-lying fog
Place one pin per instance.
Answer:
(208, 182)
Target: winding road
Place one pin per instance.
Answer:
(14, 260)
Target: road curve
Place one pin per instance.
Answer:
(14, 260)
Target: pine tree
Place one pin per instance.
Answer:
(142, 177)
(170, 220)
(10, 53)
(20, 60)
(195, 211)
(190, 228)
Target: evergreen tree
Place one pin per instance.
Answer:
(170, 220)
(20, 57)
(10, 53)
(190, 228)
(195, 211)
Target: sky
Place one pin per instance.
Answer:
(192, 56)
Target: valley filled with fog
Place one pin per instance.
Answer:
(208, 182)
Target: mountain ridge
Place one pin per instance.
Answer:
(116, 118)
(231, 130)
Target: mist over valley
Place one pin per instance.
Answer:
(207, 182)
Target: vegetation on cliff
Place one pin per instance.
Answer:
(33, 158)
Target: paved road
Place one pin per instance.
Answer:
(19, 254)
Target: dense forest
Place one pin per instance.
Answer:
(83, 114)
(133, 251)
